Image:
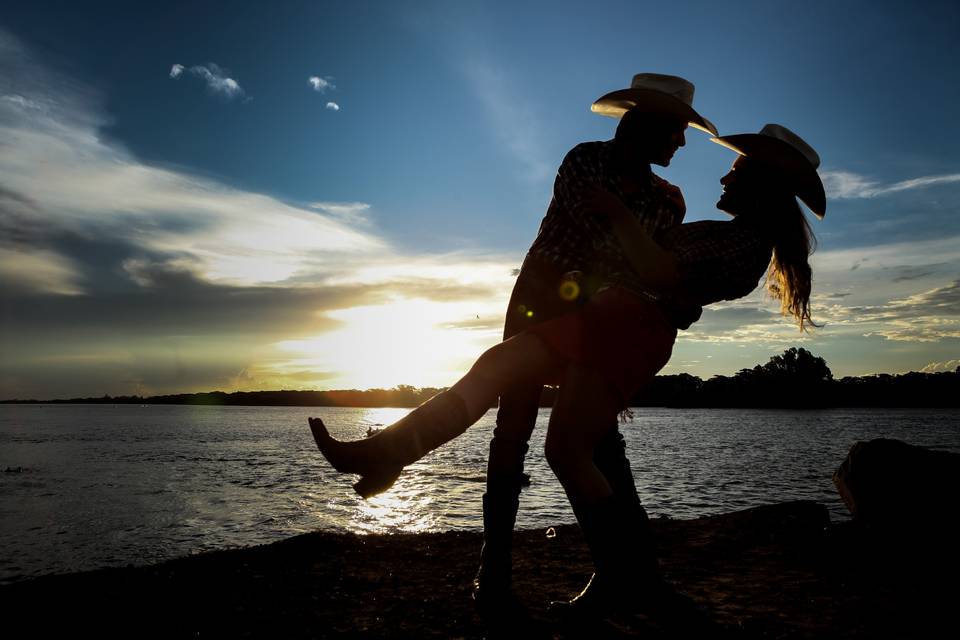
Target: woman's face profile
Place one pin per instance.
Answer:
(734, 184)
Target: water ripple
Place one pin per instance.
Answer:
(109, 486)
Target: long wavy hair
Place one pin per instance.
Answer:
(789, 276)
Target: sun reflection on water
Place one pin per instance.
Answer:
(405, 507)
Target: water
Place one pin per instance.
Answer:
(109, 485)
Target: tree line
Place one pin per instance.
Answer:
(794, 379)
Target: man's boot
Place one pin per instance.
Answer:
(492, 591)
(492, 584)
(380, 458)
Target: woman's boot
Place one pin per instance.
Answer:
(610, 458)
(618, 535)
(626, 579)
(380, 458)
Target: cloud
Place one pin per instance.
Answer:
(333, 106)
(936, 367)
(350, 212)
(61, 171)
(846, 185)
(216, 79)
(116, 273)
(513, 119)
(928, 316)
(321, 85)
(37, 270)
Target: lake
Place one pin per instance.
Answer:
(104, 485)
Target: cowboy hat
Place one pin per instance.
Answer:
(778, 146)
(655, 92)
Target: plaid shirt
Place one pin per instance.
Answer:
(718, 260)
(572, 241)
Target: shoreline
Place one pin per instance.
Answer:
(776, 571)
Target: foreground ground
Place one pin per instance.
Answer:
(772, 572)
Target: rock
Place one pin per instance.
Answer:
(894, 486)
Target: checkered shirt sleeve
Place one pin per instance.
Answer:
(719, 260)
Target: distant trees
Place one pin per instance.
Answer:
(798, 379)
(794, 379)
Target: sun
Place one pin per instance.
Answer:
(410, 341)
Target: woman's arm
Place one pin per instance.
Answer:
(655, 265)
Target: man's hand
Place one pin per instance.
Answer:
(675, 197)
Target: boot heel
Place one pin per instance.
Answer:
(372, 484)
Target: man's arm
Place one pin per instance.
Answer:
(655, 265)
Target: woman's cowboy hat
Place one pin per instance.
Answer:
(655, 92)
(788, 152)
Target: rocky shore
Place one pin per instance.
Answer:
(778, 571)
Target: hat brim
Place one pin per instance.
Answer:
(616, 103)
(803, 176)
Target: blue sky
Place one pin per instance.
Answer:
(334, 194)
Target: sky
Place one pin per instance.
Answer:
(329, 195)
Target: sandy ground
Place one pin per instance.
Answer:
(780, 571)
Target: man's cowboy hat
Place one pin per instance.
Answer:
(785, 150)
(655, 92)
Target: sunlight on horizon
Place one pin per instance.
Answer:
(413, 341)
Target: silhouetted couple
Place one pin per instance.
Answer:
(610, 278)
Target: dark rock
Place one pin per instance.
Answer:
(897, 487)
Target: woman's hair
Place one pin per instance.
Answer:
(789, 275)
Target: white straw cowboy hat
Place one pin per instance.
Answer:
(656, 92)
(789, 153)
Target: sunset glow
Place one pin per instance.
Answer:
(345, 201)
(414, 342)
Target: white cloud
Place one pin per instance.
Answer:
(217, 80)
(936, 367)
(321, 84)
(333, 106)
(78, 182)
(847, 185)
(38, 269)
(353, 212)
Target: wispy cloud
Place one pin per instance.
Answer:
(513, 119)
(847, 185)
(218, 80)
(321, 84)
(936, 367)
(333, 106)
(351, 212)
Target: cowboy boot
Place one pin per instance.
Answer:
(380, 458)
(626, 579)
(611, 460)
(491, 586)
(492, 594)
(618, 536)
